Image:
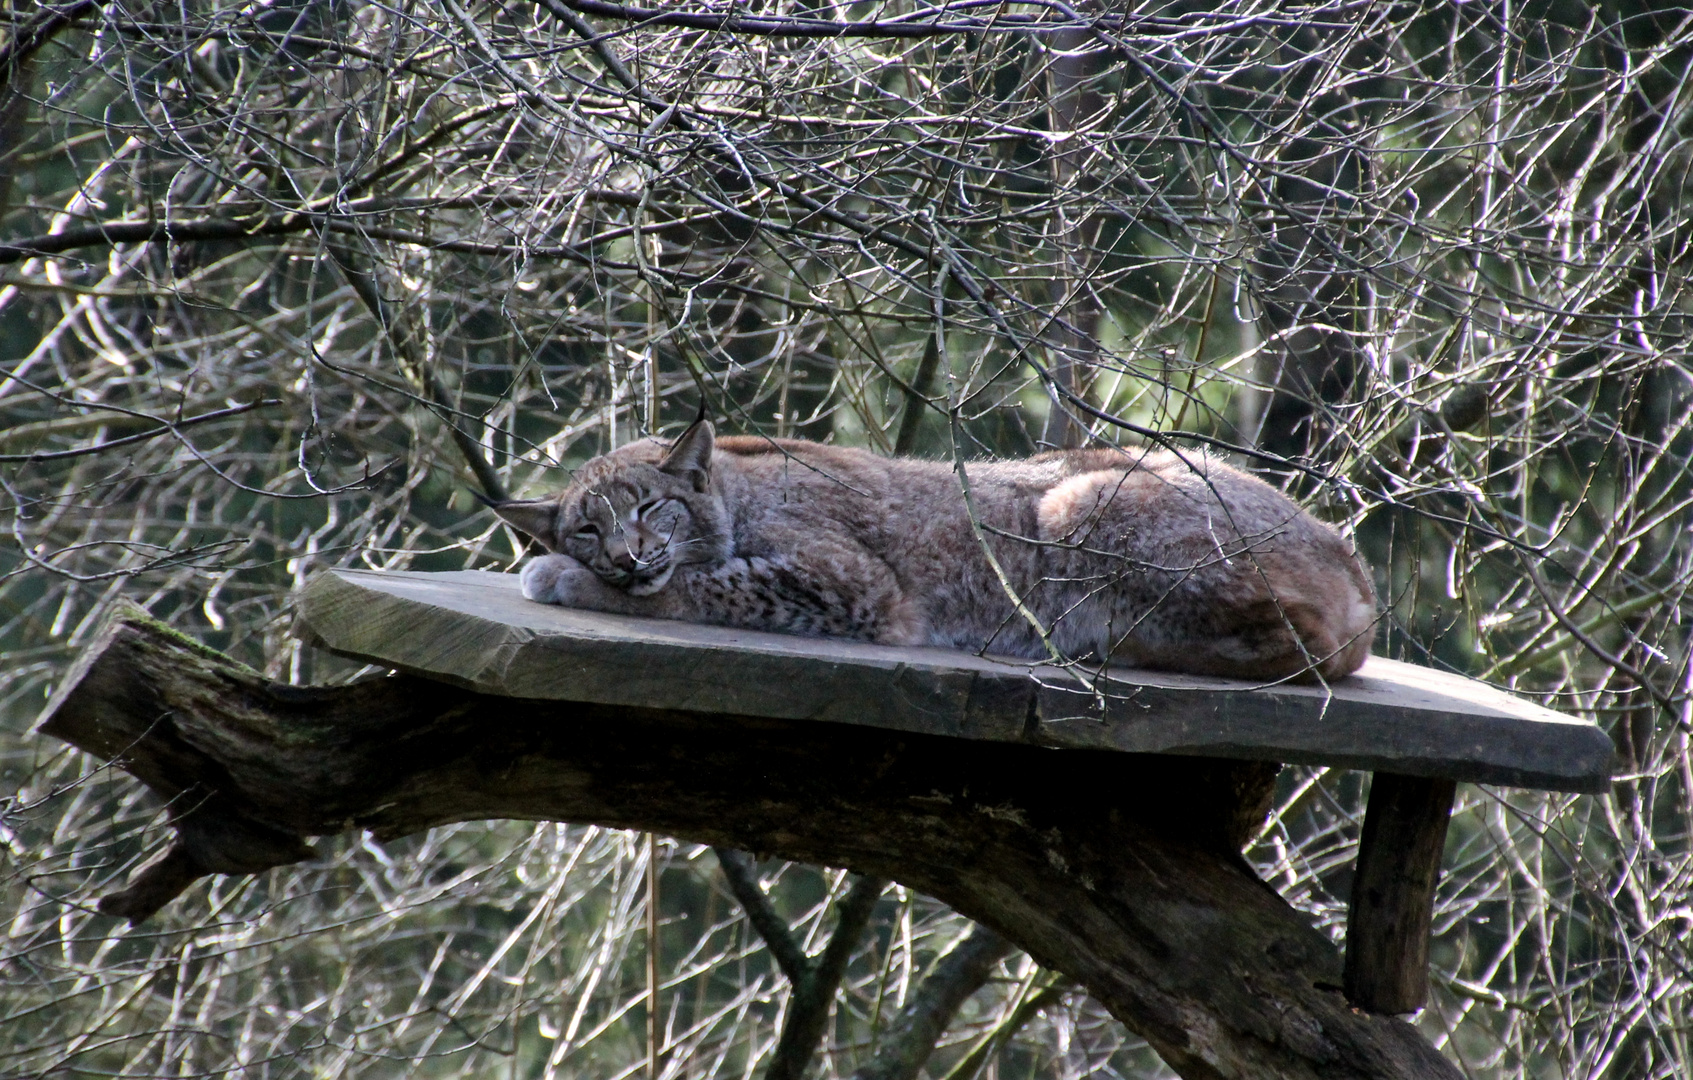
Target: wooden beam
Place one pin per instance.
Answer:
(1387, 922)
(474, 629)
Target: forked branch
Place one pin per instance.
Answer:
(1119, 871)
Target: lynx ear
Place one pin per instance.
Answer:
(534, 518)
(690, 457)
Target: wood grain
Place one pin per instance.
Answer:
(474, 629)
(1387, 922)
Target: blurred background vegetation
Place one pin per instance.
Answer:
(283, 281)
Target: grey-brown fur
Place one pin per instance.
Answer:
(1160, 560)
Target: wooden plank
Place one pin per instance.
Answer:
(1391, 715)
(475, 629)
(1387, 922)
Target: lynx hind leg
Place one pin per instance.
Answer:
(1288, 639)
(1295, 605)
(1316, 621)
(1264, 642)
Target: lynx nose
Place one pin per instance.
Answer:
(636, 548)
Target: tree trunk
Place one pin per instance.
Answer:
(1121, 871)
(1075, 104)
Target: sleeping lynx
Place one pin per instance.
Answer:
(1158, 560)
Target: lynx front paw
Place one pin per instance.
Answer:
(553, 579)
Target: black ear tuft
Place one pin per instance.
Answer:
(534, 518)
(690, 457)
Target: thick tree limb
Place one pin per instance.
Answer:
(1119, 871)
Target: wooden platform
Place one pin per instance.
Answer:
(474, 628)
(1419, 730)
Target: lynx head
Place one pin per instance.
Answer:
(634, 515)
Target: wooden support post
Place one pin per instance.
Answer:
(1387, 923)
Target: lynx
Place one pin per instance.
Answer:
(1149, 557)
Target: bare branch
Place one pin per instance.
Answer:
(920, 23)
(741, 872)
(912, 1036)
(33, 35)
(814, 997)
(165, 427)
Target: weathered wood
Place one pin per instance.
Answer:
(1119, 870)
(1387, 923)
(475, 629)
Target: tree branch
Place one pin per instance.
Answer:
(808, 1009)
(971, 1066)
(288, 224)
(137, 232)
(1118, 870)
(34, 34)
(403, 340)
(165, 426)
(814, 981)
(912, 1036)
(934, 21)
(740, 871)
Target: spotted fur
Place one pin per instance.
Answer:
(1154, 558)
